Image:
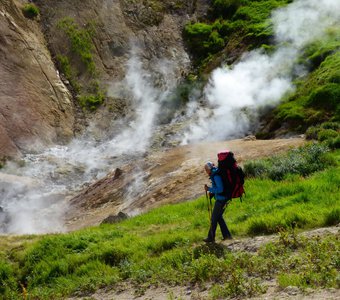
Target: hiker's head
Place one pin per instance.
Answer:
(208, 167)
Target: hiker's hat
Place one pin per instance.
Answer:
(209, 165)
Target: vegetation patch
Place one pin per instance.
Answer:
(227, 22)
(328, 133)
(317, 96)
(234, 26)
(31, 11)
(302, 161)
(81, 48)
(81, 41)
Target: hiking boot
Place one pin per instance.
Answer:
(208, 240)
(227, 238)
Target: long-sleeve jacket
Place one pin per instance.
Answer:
(217, 185)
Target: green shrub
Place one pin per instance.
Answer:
(81, 41)
(316, 99)
(312, 132)
(110, 255)
(326, 134)
(255, 168)
(334, 143)
(327, 96)
(331, 125)
(238, 286)
(225, 8)
(317, 52)
(202, 39)
(240, 23)
(303, 161)
(65, 67)
(215, 42)
(91, 102)
(31, 11)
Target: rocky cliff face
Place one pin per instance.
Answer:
(35, 106)
(154, 26)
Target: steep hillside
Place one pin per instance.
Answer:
(160, 178)
(315, 105)
(35, 106)
(92, 42)
(234, 27)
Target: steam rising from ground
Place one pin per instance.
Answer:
(38, 206)
(234, 94)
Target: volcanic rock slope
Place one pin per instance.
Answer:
(37, 106)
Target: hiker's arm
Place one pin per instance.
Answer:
(218, 187)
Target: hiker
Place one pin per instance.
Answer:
(216, 191)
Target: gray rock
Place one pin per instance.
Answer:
(115, 218)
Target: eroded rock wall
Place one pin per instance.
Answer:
(35, 106)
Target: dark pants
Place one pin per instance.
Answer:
(217, 217)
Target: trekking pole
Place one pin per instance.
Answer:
(209, 205)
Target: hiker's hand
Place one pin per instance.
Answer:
(211, 195)
(206, 187)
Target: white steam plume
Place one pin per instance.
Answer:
(260, 79)
(39, 206)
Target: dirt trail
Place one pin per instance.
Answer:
(163, 177)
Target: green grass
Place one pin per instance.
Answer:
(164, 246)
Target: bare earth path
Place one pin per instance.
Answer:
(159, 178)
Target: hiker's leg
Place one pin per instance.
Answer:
(215, 218)
(224, 229)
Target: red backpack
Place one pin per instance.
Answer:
(232, 175)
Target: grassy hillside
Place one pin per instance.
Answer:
(165, 245)
(235, 26)
(230, 28)
(316, 100)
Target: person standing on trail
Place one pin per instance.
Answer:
(216, 191)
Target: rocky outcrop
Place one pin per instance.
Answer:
(35, 106)
(154, 26)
